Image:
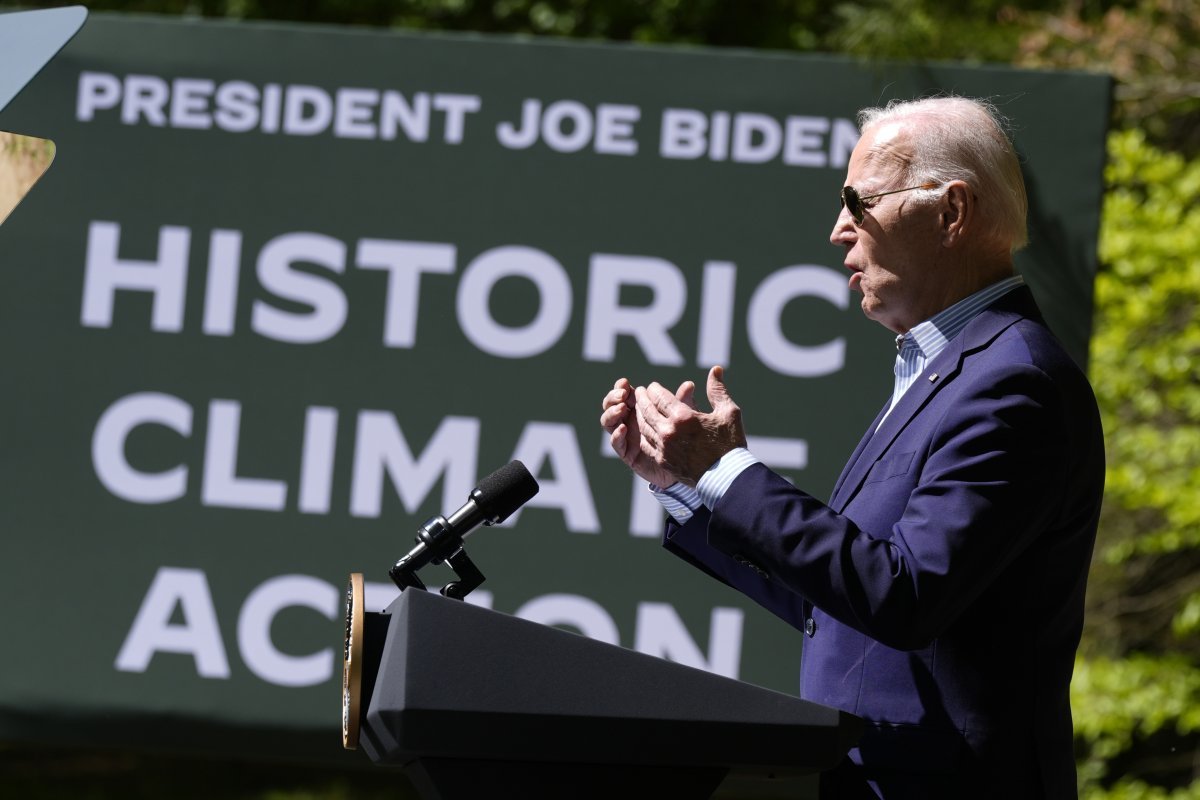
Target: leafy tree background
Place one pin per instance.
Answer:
(1136, 693)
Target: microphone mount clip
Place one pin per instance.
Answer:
(440, 539)
(437, 542)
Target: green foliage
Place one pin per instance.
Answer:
(1137, 790)
(1187, 621)
(1151, 47)
(1140, 685)
(780, 24)
(974, 31)
(1146, 345)
(1117, 702)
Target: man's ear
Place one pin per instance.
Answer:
(956, 213)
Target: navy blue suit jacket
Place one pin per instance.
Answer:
(941, 588)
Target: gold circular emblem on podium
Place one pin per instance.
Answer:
(352, 662)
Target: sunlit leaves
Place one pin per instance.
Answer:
(1146, 346)
(1116, 702)
(1145, 354)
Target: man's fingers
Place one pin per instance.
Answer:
(616, 397)
(725, 409)
(686, 394)
(619, 439)
(665, 401)
(648, 419)
(718, 394)
(613, 416)
(647, 408)
(622, 392)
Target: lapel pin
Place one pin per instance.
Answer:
(933, 378)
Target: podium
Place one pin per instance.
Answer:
(478, 704)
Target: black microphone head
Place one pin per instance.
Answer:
(504, 491)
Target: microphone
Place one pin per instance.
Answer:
(441, 538)
(495, 498)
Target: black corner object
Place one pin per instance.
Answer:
(478, 704)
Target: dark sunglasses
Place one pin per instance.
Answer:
(852, 200)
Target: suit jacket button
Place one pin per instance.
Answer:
(810, 627)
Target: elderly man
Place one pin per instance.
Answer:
(940, 590)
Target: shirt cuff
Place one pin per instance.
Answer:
(679, 500)
(716, 481)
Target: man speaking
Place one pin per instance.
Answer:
(940, 590)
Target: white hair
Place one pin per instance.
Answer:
(961, 138)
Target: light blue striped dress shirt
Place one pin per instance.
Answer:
(914, 350)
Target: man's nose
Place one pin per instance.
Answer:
(843, 228)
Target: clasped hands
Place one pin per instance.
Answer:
(663, 437)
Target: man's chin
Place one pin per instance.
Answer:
(869, 307)
(875, 312)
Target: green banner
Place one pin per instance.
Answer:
(286, 292)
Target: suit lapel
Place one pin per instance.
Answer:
(945, 367)
(979, 333)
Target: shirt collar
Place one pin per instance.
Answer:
(932, 335)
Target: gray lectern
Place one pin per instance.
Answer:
(479, 704)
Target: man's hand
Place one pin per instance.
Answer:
(682, 441)
(620, 420)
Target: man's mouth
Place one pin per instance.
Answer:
(855, 278)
